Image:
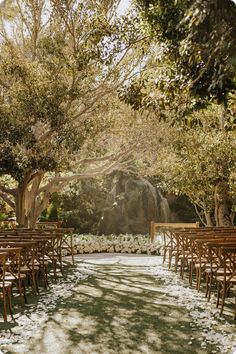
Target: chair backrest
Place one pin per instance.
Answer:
(48, 224)
(168, 226)
(3, 261)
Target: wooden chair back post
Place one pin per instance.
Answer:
(229, 260)
(3, 260)
(152, 230)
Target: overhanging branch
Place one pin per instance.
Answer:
(7, 200)
(114, 162)
(7, 190)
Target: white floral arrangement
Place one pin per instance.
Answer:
(138, 244)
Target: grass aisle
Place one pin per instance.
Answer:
(121, 308)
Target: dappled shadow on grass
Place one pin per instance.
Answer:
(32, 300)
(118, 311)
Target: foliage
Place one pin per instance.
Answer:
(190, 60)
(183, 209)
(47, 85)
(188, 84)
(59, 61)
(193, 160)
(3, 216)
(199, 39)
(82, 203)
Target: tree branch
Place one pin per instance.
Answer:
(6, 190)
(202, 72)
(108, 167)
(7, 200)
(199, 215)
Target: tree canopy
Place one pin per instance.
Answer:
(199, 37)
(61, 64)
(189, 75)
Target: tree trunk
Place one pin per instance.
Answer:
(26, 199)
(209, 222)
(204, 214)
(21, 206)
(223, 204)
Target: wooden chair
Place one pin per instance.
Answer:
(68, 241)
(13, 273)
(5, 286)
(33, 262)
(228, 280)
(52, 250)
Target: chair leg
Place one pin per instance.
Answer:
(20, 287)
(182, 268)
(72, 255)
(24, 292)
(9, 300)
(207, 284)
(176, 261)
(45, 275)
(199, 279)
(34, 282)
(191, 273)
(223, 299)
(36, 275)
(209, 287)
(54, 265)
(235, 304)
(61, 268)
(196, 278)
(4, 304)
(218, 294)
(164, 256)
(170, 258)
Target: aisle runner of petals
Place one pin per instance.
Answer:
(35, 315)
(205, 316)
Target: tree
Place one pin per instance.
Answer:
(82, 204)
(61, 64)
(192, 65)
(192, 56)
(199, 162)
(199, 37)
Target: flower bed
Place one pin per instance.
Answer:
(138, 244)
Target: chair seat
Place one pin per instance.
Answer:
(189, 256)
(45, 263)
(45, 257)
(208, 265)
(199, 265)
(210, 270)
(228, 279)
(220, 271)
(15, 277)
(26, 269)
(186, 255)
(7, 284)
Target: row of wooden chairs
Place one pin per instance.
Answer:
(208, 254)
(28, 254)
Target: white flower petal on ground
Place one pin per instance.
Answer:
(36, 315)
(215, 330)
